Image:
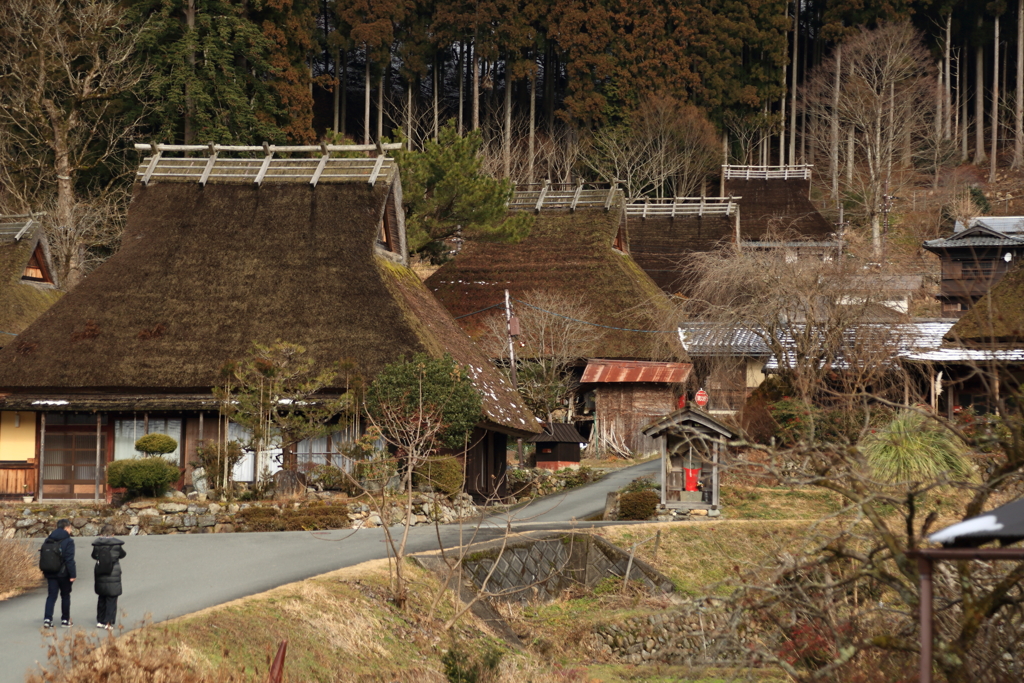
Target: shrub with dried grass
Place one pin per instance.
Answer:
(18, 568)
(141, 656)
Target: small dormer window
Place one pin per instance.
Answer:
(36, 270)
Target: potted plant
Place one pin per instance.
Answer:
(26, 496)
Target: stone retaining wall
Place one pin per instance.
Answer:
(687, 634)
(182, 515)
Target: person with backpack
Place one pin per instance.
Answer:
(107, 551)
(57, 562)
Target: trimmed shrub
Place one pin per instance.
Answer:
(580, 476)
(262, 519)
(641, 484)
(638, 505)
(315, 518)
(444, 474)
(143, 476)
(156, 444)
(328, 478)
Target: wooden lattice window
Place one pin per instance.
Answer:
(36, 270)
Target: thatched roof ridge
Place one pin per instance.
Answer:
(998, 317)
(568, 252)
(661, 245)
(21, 301)
(205, 272)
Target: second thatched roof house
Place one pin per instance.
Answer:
(220, 253)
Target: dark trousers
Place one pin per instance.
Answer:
(60, 585)
(106, 609)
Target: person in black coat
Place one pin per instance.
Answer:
(60, 582)
(107, 551)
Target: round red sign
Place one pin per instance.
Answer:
(701, 398)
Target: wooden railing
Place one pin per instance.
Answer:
(682, 206)
(796, 172)
(561, 196)
(269, 168)
(17, 478)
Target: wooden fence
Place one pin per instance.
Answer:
(797, 172)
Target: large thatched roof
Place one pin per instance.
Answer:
(568, 252)
(775, 205)
(22, 298)
(205, 272)
(998, 317)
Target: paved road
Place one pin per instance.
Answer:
(169, 576)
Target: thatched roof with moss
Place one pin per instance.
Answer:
(22, 300)
(565, 252)
(205, 272)
(998, 317)
(777, 207)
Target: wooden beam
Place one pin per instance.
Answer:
(152, 167)
(376, 170)
(576, 197)
(323, 164)
(209, 166)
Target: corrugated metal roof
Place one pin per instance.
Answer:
(557, 432)
(604, 371)
(967, 242)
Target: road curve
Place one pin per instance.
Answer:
(170, 576)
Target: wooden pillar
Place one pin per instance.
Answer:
(99, 440)
(714, 475)
(42, 453)
(924, 569)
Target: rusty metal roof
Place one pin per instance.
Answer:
(602, 371)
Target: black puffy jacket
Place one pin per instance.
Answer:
(67, 553)
(107, 552)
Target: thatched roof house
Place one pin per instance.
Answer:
(28, 283)
(776, 200)
(572, 249)
(249, 253)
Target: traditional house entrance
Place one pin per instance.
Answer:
(74, 448)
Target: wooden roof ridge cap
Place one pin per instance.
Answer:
(265, 148)
(666, 422)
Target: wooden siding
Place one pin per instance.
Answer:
(622, 411)
(14, 476)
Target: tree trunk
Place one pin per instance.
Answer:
(948, 95)
(337, 88)
(437, 65)
(961, 94)
(782, 117)
(408, 115)
(994, 152)
(849, 156)
(533, 126)
(793, 90)
(380, 105)
(979, 103)
(876, 235)
(366, 101)
(1018, 114)
(462, 83)
(475, 65)
(834, 161)
(344, 89)
(506, 141)
(190, 21)
(549, 86)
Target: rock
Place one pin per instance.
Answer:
(172, 507)
(188, 520)
(224, 529)
(175, 493)
(374, 519)
(140, 505)
(133, 520)
(25, 523)
(90, 529)
(207, 520)
(193, 495)
(699, 513)
(149, 512)
(201, 497)
(214, 508)
(714, 513)
(233, 508)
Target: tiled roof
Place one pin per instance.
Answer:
(711, 339)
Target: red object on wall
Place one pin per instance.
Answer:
(682, 402)
(692, 477)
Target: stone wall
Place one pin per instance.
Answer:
(687, 634)
(181, 515)
(541, 566)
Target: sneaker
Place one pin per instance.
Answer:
(47, 623)
(99, 625)
(66, 623)
(109, 627)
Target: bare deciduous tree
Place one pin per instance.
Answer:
(64, 68)
(886, 101)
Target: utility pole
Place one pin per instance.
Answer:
(512, 328)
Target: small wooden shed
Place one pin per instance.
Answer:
(558, 446)
(692, 445)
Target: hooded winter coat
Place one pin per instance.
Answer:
(67, 553)
(107, 552)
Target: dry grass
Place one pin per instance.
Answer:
(19, 569)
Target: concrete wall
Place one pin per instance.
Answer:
(17, 435)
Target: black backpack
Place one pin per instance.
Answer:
(105, 560)
(50, 559)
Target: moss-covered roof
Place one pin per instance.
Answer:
(21, 301)
(569, 252)
(998, 317)
(205, 272)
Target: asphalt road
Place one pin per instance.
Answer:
(169, 576)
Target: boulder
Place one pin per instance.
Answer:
(172, 507)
